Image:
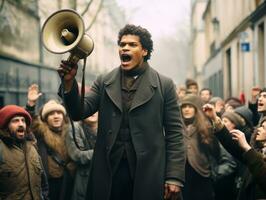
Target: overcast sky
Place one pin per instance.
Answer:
(168, 21)
(161, 17)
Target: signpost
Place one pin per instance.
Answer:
(244, 47)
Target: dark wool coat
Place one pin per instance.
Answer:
(257, 167)
(155, 126)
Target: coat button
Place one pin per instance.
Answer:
(110, 132)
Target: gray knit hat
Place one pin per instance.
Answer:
(235, 118)
(193, 100)
(246, 113)
(213, 100)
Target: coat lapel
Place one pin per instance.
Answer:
(145, 89)
(113, 88)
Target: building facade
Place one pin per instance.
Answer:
(23, 58)
(234, 47)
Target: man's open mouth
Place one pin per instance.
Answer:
(20, 132)
(125, 58)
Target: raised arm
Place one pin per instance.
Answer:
(33, 96)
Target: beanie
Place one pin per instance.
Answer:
(213, 100)
(190, 82)
(51, 106)
(234, 102)
(9, 111)
(193, 100)
(234, 118)
(246, 113)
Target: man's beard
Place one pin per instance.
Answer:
(14, 135)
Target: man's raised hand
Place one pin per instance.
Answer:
(33, 94)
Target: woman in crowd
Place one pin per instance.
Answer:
(200, 146)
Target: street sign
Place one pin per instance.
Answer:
(243, 36)
(245, 47)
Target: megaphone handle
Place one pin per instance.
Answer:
(73, 58)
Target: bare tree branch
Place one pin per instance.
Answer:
(59, 4)
(75, 4)
(2, 5)
(87, 8)
(72, 4)
(95, 16)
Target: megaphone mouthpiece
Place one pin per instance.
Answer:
(68, 36)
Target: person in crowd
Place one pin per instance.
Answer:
(218, 104)
(257, 104)
(232, 103)
(139, 152)
(239, 118)
(253, 187)
(205, 164)
(192, 86)
(205, 95)
(247, 115)
(181, 92)
(233, 121)
(50, 128)
(21, 171)
(254, 158)
(86, 131)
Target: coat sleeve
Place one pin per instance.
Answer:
(1, 153)
(72, 100)
(224, 166)
(82, 157)
(44, 184)
(173, 126)
(254, 109)
(229, 144)
(31, 110)
(256, 166)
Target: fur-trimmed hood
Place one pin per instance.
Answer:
(53, 140)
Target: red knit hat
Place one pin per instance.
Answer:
(9, 111)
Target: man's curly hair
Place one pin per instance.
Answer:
(144, 36)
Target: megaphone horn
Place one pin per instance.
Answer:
(63, 31)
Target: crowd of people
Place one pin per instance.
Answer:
(39, 159)
(227, 138)
(135, 137)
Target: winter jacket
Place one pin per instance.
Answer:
(58, 165)
(21, 172)
(81, 158)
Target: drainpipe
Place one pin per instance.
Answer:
(40, 48)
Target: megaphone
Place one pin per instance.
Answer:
(64, 31)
